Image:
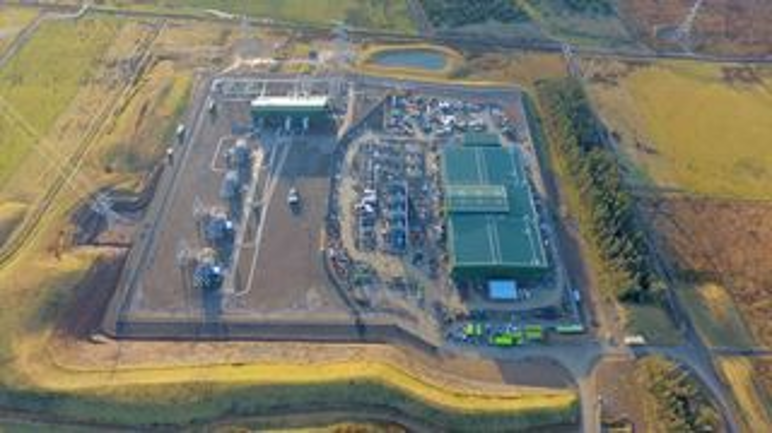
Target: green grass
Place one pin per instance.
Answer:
(378, 14)
(39, 82)
(651, 322)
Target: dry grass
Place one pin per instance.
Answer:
(698, 127)
(34, 92)
(523, 68)
(11, 214)
(715, 315)
(739, 374)
(138, 138)
(12, 21)
(726, 243)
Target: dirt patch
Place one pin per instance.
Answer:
(537, 372)
(725, 242)
(621, 403)
(729, 27)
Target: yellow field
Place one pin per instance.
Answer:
(698, 127)
(739, 374)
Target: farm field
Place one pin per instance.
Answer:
(695, 127)
(728, 27)
(12, 21)
(597, 24)
(726, 244)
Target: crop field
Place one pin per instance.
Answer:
(700, 128)
(751, 395)
(12, 21)
(722, 26)
(595, 23)
(722, 243)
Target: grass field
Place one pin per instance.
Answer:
(41, 80)
(523, 69)
(698, 127)
(379, 14)
(139, 137)
(589, 28)
(12, 21)
(739, 374)
(715, 315)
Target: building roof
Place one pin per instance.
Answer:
(502, 289)
(290, 103)
(481, 139)
(497, 226)
(476, 198)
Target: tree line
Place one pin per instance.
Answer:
(594, 169)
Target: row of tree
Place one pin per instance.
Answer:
(681, 403)
(579, 138)
(456, 13)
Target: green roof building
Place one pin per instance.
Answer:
(493, 229)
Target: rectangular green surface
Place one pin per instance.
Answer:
(484, 237)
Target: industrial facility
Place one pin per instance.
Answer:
(492, 224)
(292, 112)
